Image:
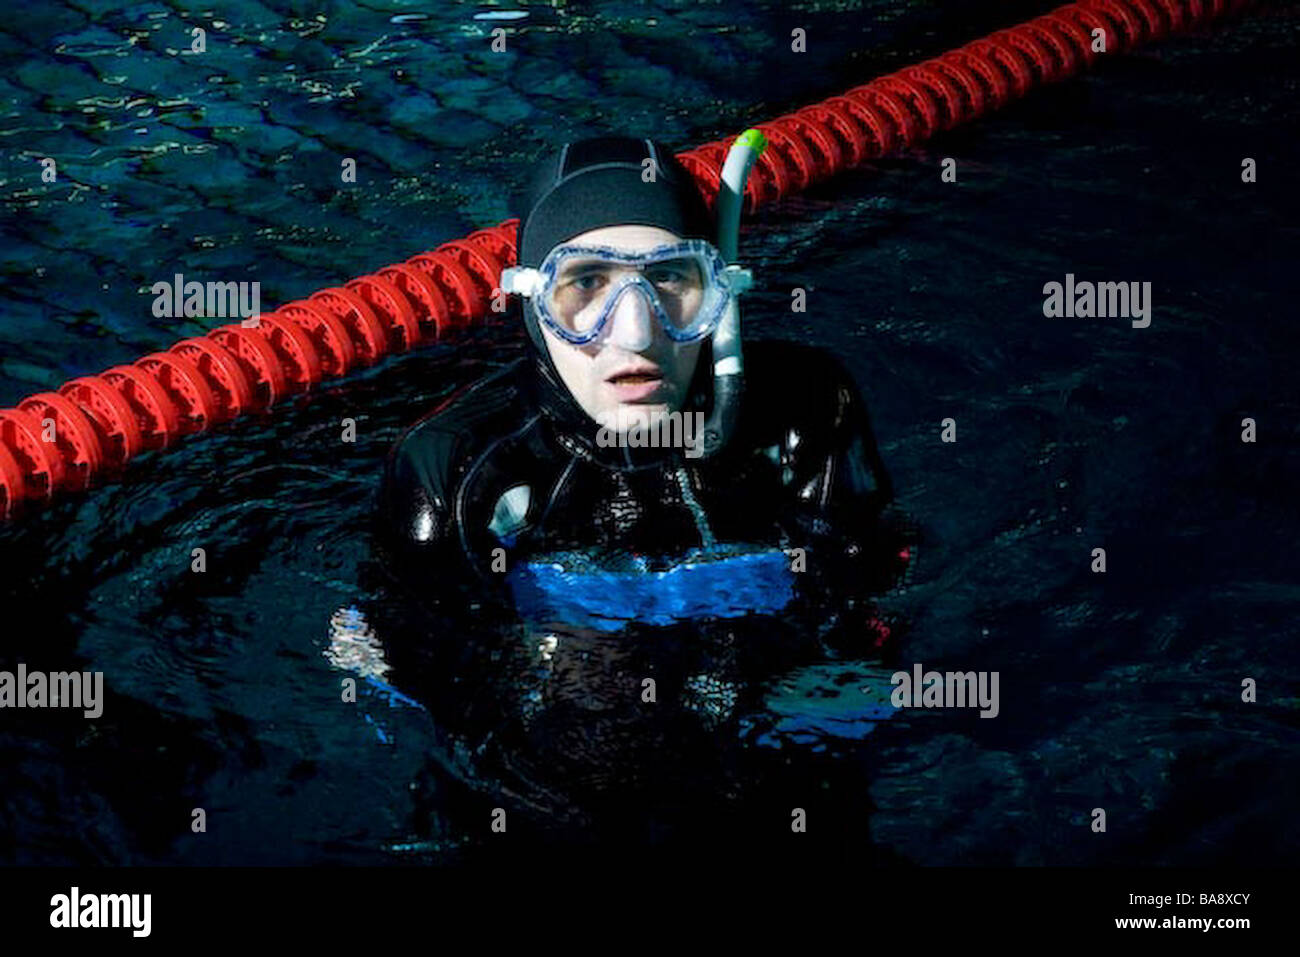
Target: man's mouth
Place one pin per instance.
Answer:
(635, 383)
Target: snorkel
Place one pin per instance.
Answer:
(728, 361)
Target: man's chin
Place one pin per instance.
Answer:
(629, 415)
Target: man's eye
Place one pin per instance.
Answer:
(587, 282)
(667, 275)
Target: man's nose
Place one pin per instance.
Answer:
(631, 324)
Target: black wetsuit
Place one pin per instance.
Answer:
(568, 729)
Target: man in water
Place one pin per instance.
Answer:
(564, 449)
(630, 314)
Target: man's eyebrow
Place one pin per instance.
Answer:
(588, 265)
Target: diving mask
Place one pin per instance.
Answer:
(575, 290)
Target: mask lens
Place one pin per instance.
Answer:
(578, 292)
(678, 285)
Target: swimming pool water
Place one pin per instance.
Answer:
(1120, 691)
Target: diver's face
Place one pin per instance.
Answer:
(633, 373)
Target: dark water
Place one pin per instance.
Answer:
(1120, 691)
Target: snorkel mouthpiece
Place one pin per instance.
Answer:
(728, 362)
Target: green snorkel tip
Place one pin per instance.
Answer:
(754, 139)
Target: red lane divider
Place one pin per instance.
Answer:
(904, 108)
(101, 422)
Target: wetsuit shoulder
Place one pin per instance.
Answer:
(808, 405)
(803, 406)
(428, 461)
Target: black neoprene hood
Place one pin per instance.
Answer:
(603, 181)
